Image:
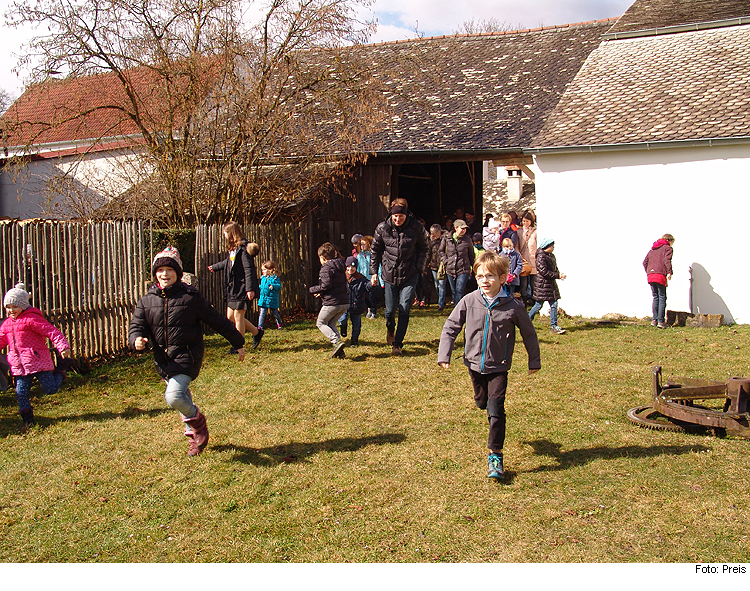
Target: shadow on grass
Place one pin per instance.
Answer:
(579, 457)
(299, 452)
(11, 425)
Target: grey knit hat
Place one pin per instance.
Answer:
(18, 296)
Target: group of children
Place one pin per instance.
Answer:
(168, 320)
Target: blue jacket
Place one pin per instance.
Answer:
(516, 265)
(270, 289)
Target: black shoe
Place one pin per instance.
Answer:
(342, 329)
(257, 337)
(338, 350)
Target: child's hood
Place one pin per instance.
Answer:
(337, 264)
(659, 243)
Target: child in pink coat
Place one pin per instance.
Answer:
(25, 333)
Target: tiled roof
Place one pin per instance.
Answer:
(469, 92)
(682, 86)
(51, 111)
(654, 14)
(481, 92)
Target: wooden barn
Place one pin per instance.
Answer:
(474, 98)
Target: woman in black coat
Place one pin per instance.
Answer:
(241, 281)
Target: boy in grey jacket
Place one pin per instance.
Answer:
(491, 315)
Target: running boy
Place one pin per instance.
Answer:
(491, 315)
(332, 289)
(168, 319)
(358, 288)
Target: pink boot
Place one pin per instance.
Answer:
(198, 433)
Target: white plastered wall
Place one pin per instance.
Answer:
(605, 209)
(97, 177)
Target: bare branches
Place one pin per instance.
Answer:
(234, 117)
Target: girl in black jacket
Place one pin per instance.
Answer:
(241, 280)
(167, 319)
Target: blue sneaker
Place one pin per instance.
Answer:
(495, 466)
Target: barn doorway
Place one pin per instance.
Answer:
(435, 190)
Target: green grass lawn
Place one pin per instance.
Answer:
(381, 459)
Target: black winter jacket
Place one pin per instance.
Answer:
(433, 254)
(332, 284)
(401, 250)
(171, 321)
(545, 284)
(240, 277)
(358, 288)
(458, 256)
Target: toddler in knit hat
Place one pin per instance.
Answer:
(18, 296)
(25, 333)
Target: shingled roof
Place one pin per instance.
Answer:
(87, 108)
(656, 14)
(481, 92)
(688, 85)
(467, 92)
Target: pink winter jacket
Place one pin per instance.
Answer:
(26, 339)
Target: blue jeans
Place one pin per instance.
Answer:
(440, 289)
(404, 296)
(458, 285)
(48, 380)
(659, 304)
(178, 396)
(262, 316)
(552, 311)
(374, 297)
(356, 325)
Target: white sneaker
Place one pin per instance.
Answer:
(557, 330)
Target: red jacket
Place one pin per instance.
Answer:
(26, 339)
(658, 262)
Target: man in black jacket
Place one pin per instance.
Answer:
(400, 244)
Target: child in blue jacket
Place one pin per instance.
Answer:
(270, 291)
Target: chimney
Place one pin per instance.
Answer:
(515, 183)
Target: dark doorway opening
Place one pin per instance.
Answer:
(435, 191)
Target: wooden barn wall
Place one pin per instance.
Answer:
(338, 219)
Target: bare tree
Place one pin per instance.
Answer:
(6, 100)
(233, 116)
(485, 25)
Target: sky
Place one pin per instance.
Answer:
(397, 20)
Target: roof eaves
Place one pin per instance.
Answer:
(693, 143)
(51, 149)
(732, 22)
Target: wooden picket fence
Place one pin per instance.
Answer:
(281, 242)
(86, 278)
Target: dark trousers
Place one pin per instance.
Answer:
(489, 393)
